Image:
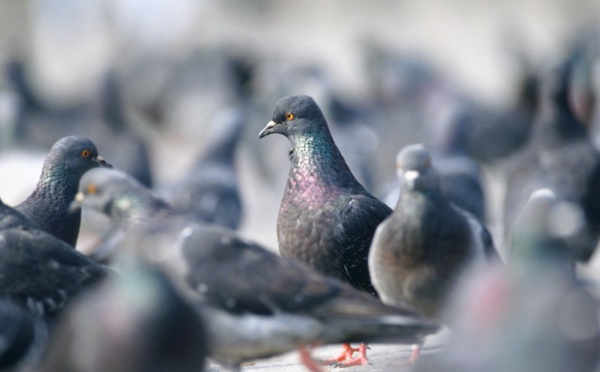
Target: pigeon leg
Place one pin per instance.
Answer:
(414, 355)
(360, 360)
(307, 360)
(347, 353)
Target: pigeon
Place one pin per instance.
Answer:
(116, 135)
(255, 303)
(135, 321)
(39, 271)
(24, 337)
(530, 315)
(421, 250)
(103, 116)
(210, 190)
(326, 219)
(459, 174)
(499, 135)
(48, 205)
(561, 157)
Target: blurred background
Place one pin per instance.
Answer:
(148, 80)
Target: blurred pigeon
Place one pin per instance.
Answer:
(326, 219)
(116, 135)
(48, 205)
(499, 135)
(531, 315)
(101, 116)
(210, 192)
(421, 249)
(256, 304)
(561, 157)
(23, 337)
(458, 173)
(39, 271)
(134, 321)
(38, 121)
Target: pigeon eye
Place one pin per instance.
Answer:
(91, 188)
(85, 153)
(289, 116)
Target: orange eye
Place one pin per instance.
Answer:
(85, 153)
(289, 116)
(91, 188)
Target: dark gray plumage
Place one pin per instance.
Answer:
(500, 135)
(530, 315)
(48, 205)
(257, 304)
(326, 219)
(135, 321)
(561, 157)
(37, 270)
(23, 337)
(419, 251)
(116, 134)
(209, 192)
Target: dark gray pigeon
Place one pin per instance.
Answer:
(39, 271)
(326, 219)
(559, 156)
(133, 322)
(530, 315)
(209, 192)
(23, 337)
(48, 205)
(419, 251)
(256, 304)
(499, 135)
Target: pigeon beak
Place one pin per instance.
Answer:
(101, 162)
(410, 177)
(77, 203)
(268, 129)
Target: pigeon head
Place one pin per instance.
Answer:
(74, 155)
(413, 164)
(295, 115)
(111, 192)
(541, 230)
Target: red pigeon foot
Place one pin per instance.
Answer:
(360, 360)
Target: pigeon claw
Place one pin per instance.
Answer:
(346, 357)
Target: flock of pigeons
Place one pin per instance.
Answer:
(172, 283)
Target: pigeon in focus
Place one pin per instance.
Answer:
(561, 157)
(39, 271)
(210, 190)
(530, 315)
(134, 321)
(48, 205)
(326, 219)
(256, 304)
